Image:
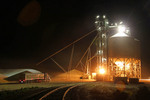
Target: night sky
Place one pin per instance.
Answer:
(31, 30)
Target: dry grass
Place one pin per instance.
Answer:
(94, 90)
(106, 91)
(3, 81)
(30, 85)
(110, 91)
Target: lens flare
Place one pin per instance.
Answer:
(102, 71)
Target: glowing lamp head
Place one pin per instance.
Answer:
(121, 32)
(121, 29)
(104, 16)
(120, 22)
(102, 71)
(97, 16)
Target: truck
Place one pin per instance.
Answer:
(35, 78)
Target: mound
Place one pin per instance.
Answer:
(2, 78)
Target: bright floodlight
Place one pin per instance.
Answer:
(127, 31)
(121, 32)
(99, 28)
(97, 16)
(121, 29)
(119, 64)
(96, 22)
(104, 16)
(121, 22)
(116, 24)
(102, 71)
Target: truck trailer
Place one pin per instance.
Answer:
(35, 78)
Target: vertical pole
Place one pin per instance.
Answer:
(102, 26)
(124, 67)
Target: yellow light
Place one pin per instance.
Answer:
(93, 74)
(121, 65)
(102, 71)
(127, 67)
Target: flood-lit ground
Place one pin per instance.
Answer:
(30, 85)
(111, 91)
(86, 90)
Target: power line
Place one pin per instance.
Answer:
(86, 51)
(71, 57)
(65, 47)
(58, 65)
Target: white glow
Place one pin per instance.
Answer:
(103, 59)
(97, 16)
(127, 31)
(93, 74)
(121, 32)
(103, 43)
(104, 16)
(121, 65)
(100, 51)
(121, 22)
(96, 22)
(127, 66)
(101, 71)
(107, 22)
(120, 35)
(121, 29)
(103, 35)
(99, 28)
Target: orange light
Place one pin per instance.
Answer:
(121, 65)
(102, 71)
(93, 75)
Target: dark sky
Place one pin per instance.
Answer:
(31, 30)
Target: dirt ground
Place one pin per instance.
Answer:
(90, 90)
(110, 91)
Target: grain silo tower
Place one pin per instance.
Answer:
(118, 55)
(123, 55)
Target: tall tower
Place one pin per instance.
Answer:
(101, 42)
(118, 55)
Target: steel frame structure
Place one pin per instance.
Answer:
(130, 67)
(101, 42)
(109, 63)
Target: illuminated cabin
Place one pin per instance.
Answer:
(124, 56)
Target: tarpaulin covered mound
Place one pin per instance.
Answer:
(2, 78)
(13, 75)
